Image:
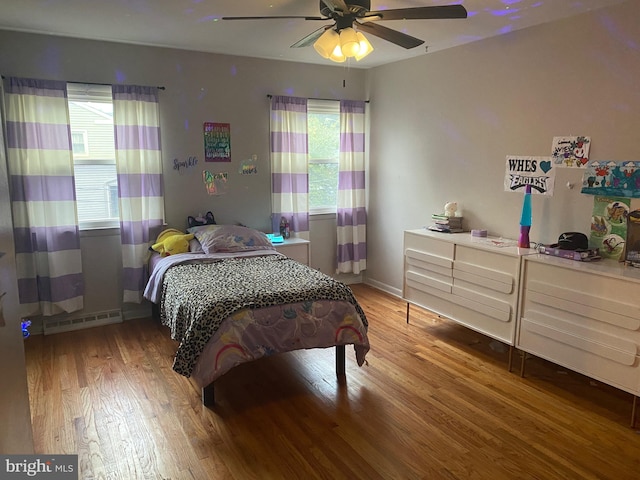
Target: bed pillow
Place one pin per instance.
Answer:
(194, 246)
(232, 238)
(202, 228)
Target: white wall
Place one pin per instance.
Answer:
(442, 125)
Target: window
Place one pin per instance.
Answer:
(323, 127)
(79, 143)
(94, 156)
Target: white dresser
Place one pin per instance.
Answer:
(296, 249)
(584, 316)
(472, 281)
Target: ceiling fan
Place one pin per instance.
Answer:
(341, 40)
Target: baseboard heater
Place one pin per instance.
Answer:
(69, 323)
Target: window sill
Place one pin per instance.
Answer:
(100, 232)
(323, 211)
(322, 216)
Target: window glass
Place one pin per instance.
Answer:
(323, 127)
(79, 143)
(91, 117)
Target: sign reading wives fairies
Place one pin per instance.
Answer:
(217, 142)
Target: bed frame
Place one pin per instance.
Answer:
(208, 395)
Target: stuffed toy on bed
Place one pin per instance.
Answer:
(171, 242)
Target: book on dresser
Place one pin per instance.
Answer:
(446, 224)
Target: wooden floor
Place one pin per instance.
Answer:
(434, 402)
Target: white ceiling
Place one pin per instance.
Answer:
(196, 24)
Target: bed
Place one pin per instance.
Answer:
(234, 299)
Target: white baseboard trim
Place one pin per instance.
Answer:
(396, 292)
(348, 278)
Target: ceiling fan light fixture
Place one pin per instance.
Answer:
(326, 44)
(349, 42)
(337, 55)
(365, 47)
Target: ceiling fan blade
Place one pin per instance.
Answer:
(393, 36)
(338, 6)
(422, 13)
(266, 18)
(311, 38)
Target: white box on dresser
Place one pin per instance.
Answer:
(584, 316)
(473, 281)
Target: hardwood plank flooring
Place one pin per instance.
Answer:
(435, 401)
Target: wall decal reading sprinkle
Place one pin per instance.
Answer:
(179, 165)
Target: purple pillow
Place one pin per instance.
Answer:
(232, 238)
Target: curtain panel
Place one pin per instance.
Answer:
(289, 168)
(43, 198)
(136, 121)
(351, 212)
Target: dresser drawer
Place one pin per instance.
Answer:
(471, 283)
(612, 362)
(585, 318)
(430, 245)
(420, 260)
(583, 304)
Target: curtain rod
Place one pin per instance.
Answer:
(314, 98)
(95, 83)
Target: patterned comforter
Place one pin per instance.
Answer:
(243, 301)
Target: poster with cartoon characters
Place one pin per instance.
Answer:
(615, 179)
(609, 226)
(215, 183)
(539, 172)
(632, 247)
(570, 152)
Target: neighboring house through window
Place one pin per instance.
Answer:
(323, 124)
(91, 119)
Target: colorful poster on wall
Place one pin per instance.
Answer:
(632, 247)
(215, 183)
(217, 142)
(535, 171)
(609, 226)
(570, 152)
(615, 179)
(249, 166)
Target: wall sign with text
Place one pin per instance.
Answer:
(217, 142)
(539, 172)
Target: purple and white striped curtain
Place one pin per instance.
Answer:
(140, 188)
(289, 170)
(43, 198)
(352, 214)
